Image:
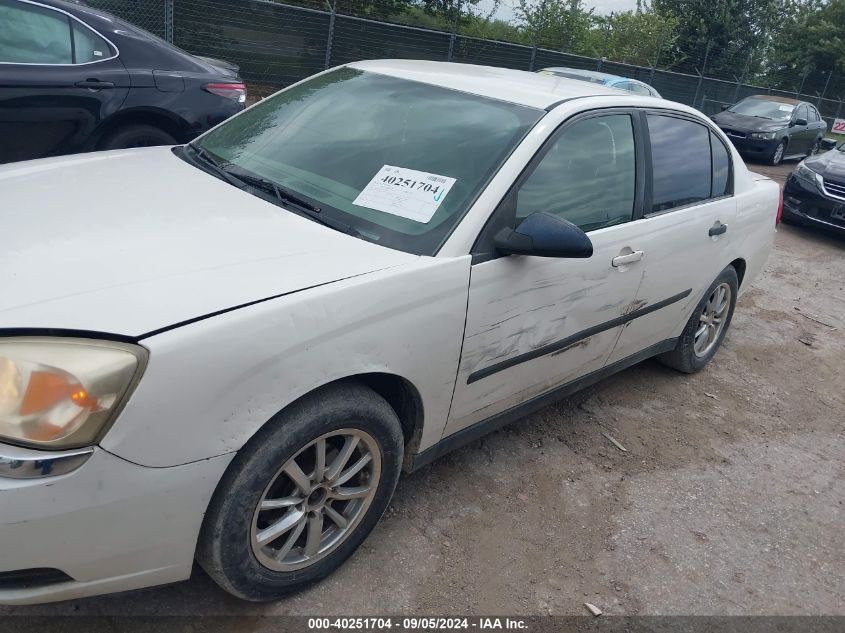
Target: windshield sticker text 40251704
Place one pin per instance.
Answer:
(408, 193)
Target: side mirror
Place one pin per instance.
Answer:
(827, 144)
(725, 106)
(800, 121)
(544, 235)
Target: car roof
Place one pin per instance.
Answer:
(515, 86)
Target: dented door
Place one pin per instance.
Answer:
(534, 323)
(686, 233)
(529, 321)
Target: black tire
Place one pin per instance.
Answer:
(135, 135)
(225, 549)
(683, 357)
(778, 153)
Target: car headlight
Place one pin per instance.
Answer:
(64, 393)
(765, 136)
(802, 171)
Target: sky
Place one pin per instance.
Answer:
(603, 7)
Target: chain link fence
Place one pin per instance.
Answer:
(278, 44)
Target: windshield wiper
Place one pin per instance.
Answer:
(301, 205)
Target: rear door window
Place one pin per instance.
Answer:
(681, 162)
(30, 34)
(721, 168)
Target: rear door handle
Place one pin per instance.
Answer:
(94, 84)
(717, 229)
(630, 258)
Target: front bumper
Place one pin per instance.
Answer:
(109, 525)
(803, 203)
(758, 148)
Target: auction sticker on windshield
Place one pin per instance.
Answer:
(408, 193)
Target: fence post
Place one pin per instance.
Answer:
(330, 35)
(741, 79)
(453, 36)
(838, 108)
(701, 73)
(803, 79)
(606, 43)
(168, 20)
(533, 58)
(657, 57)
(829, 73)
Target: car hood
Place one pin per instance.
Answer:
(132, 241)
(831, 165)
(747, 123)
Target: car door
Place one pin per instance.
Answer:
(58, 81)
(685, 230)
(817, 124)
(801, 136)
(534, 323)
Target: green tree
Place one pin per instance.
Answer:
(634, 37)
(811, 40)
(732, 34)
(562, 25)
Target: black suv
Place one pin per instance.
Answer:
(772, 129)
(75, 79)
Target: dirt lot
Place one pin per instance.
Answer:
(728, 501)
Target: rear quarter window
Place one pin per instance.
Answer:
(721, 168)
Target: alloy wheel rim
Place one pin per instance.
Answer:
(711, 321)
(316, 500)
(779, 153)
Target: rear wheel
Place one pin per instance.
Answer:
(303, 494)
(135, 135)
(814, 149)
(707, 326)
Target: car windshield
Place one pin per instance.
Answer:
(774, 110)
(398, 162)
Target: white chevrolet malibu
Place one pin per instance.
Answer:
(228, 351)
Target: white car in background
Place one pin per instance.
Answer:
(230, 349)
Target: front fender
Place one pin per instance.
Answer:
(209, 386)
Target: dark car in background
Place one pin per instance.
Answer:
(605, 79)
(75, 79)
(815, 192)
(771, 129)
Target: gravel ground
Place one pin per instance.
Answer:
(729, 499)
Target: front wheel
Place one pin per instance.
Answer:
(303, 494)
(707, 326)
(777, 154)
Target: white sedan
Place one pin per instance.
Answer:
(229, 350)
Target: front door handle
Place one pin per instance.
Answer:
(717, 229)
(94, 84)
(630, 258)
